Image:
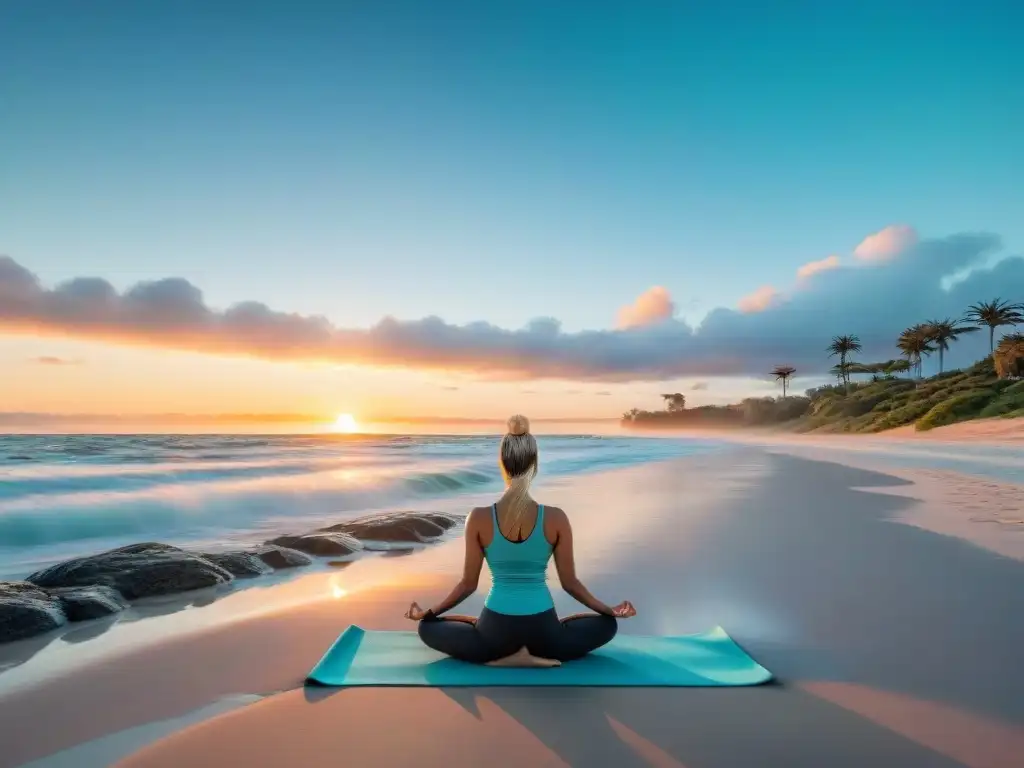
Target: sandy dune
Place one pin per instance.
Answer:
(979, 431)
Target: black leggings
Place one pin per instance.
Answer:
(496, 635)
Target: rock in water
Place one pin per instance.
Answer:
(26, 610)
(282, 557)
(442, 519)
(242, 564)
(396, 526)
(320, 543)
(138, 570)
(84, 603)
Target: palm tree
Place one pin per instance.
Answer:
(839, 371)
(843, 347)
(942, 332)
(853, 367)
(914, 343)
(897, 366)
(994, 314)
(782, 373)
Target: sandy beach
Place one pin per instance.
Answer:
(889, 614)
(1010, 431)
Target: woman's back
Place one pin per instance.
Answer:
(517, 538)
(518, 569)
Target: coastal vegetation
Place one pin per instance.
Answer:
(873, 397)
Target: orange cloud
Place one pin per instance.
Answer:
(653, 306)
(814, 267)
(763, 298)
(887, 243)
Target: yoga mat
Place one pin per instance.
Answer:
(363, 657)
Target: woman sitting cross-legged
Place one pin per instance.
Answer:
(517, 536)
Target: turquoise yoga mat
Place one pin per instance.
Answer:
(363, 657)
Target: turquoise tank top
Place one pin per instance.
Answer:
(519, 570)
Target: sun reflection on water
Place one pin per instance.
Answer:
(337, 591)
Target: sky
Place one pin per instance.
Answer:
(471, 209)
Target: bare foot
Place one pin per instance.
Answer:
(523, 658)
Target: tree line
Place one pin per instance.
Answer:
(923, 339)
(914, 344)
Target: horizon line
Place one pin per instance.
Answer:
(272, 418)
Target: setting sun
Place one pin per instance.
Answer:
(346, 423)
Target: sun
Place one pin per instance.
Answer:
(345, 423)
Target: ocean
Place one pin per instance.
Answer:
(63, 496)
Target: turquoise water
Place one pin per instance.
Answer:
(62, 496)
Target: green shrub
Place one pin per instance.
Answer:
(963, 406)
(1007, 402)
(907, 414)
(1015, 386)
(864, 403)
(983, 366)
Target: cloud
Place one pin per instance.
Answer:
(876, 304)
(651, 307)
(50, 360)
(603, 393)
(814, 267)
(699, 386)
(760, 300)
(887, 243)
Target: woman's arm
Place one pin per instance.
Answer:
(472, 564)
(565, 564)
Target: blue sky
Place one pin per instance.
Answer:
(498, 161)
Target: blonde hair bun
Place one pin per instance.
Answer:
(518, 425)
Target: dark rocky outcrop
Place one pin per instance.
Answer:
(321, 543)
(282, 557)
(100, 585)
(241, 563)
(138, 570)
(84, 603)
(397, 526)
(27, 610)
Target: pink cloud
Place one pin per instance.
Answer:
(763, 298)
(651, 307)
(876, 304)
(887, 243)
(814, 267)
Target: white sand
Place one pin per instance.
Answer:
(896, 645)
(985, 511)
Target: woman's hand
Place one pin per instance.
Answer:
(623, 610)
(415, 612)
